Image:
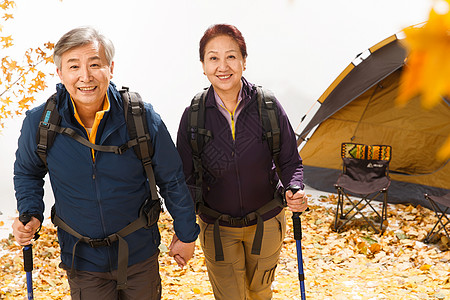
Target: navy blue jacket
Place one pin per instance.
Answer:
(99, 198)
(239, 174)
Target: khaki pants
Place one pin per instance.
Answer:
(143, 282)
(243, 275)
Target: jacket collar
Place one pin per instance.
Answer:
(248, 91)
(65, 105)
(115, 116)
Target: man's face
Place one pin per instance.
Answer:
(86, 73)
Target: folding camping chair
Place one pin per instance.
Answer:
(365, 175)
(441, 207)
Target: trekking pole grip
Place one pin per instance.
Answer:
(296, 223)
(27, 250)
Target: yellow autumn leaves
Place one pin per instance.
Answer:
(353, 264)
(19, 81)
(427, 70)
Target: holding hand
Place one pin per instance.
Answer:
(25, 233)
(180, 251)
(297, 202)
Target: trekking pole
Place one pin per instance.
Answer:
(296, 224)
(28, 258)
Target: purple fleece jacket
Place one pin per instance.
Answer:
(239, 176)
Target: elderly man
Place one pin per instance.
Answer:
(97, 194)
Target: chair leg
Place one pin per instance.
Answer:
(445, 230)
(384, 211)
(383, 216)
(340, 215)
(347, 216)
(338, 207)
(441, 215)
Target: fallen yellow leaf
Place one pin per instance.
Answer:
(425, 267)
(375, 248)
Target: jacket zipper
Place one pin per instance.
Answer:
(104, 136)
(241, 202)
(97, 190)
(99, 203)
(233, 154)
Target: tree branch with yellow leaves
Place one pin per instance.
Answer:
(19, 82)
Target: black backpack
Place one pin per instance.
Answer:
(140, 141)
(198, 136)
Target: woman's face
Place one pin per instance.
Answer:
(223, 64)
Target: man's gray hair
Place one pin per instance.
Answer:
(79, 37)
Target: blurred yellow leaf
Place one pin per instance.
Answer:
(7, 41)
(428, 66)
(427, 69)
(425, 267)
(7, 17)
(7, 4)
(362, 246)
(49, 45)
(444, 151)
(375, 248)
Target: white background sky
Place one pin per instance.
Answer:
(296, 48)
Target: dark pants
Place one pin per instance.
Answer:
(143, 282)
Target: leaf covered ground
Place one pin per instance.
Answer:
(353, 264)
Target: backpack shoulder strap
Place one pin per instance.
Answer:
(135, 116)
(198, 136)
(197, 133)
(46, 131)
(268, 112)
(138, 131)
(49, 126)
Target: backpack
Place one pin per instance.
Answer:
(140, 141)
(199, 136)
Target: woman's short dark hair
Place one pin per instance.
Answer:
(222, 29)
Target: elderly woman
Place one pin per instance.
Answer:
(240, 204)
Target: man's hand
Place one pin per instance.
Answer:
(297, 202)
(25, 233)
(181, 252)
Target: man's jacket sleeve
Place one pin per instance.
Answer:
(29, 170)
(185, 151)
(170, 179)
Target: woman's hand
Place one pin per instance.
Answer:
(181, 252)
(297, 202)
